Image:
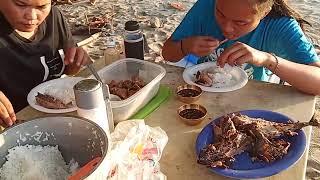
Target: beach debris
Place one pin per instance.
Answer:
(115, 13)
(155, 22)
(92, 26)
(90, 39)
(70, 2)
(144, 13)
(143, 18)
(92, 2)
(98, 22)
(177, 5)
(61, 2)
(83, 30)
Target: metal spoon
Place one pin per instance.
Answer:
(105, 88)
(106, 95)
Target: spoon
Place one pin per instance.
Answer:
(106, 95)
(85, 170)
(223, 41)
(105, 88)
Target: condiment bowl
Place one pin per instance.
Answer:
(188, 93)
(192, 114)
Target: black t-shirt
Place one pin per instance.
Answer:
(24, 64)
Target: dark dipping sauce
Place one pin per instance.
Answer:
(188, 93)
(191, 114)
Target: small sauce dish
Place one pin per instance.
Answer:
(188, 93)
(192, 114)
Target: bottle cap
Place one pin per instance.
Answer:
(88, 93)
(131, 26)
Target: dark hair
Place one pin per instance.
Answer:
(281, 8)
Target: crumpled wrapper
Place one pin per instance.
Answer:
(136, 149)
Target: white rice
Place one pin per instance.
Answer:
(224, 78)
(31, 162)
(64, 94)
(220, 75)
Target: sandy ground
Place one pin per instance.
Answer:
(158, 20)
(311, 11)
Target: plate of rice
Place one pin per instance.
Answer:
(212, 78)
(58, 90)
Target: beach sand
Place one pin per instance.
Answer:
(158, 20)
(311, 12)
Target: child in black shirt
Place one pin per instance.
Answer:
(31, 34)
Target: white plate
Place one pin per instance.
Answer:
(239, 77)
(67, 82)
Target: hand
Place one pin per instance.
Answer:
(76, 56)
(199, 45)
(240, 53)
(7, 115)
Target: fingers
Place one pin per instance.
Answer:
(86, 58)
(3, 124)
(243, 59)
(13, 116)
(4, 116)
(200, 45)
(233, 58)
(77, 56)
(208, 42)
(231, 54)
(209, 38)
(7, 114)
(5, 101)
(70, 55)
(204, 52)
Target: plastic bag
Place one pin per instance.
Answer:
(135, 152)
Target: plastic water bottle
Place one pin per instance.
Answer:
(91, 105)
(111, 54)
(133, 40)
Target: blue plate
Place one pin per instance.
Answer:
(243, 167)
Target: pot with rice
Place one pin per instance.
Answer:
(52, 148)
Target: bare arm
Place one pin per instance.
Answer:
(197, 45)
(305, 78)
(171, 50)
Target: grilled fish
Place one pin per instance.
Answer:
(236, 133)
(50, 102)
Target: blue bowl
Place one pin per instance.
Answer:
(243, 167)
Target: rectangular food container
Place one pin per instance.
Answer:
(124, 69)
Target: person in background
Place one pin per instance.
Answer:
(33, 36)
(262, 36)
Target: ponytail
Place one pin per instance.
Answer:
(281, 8)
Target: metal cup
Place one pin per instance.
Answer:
(88, 94)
